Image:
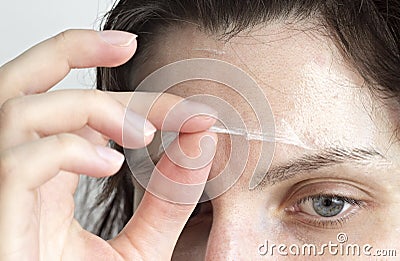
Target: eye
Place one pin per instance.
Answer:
(328, 211)
(325, 206)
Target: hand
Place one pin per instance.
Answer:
(47, 139)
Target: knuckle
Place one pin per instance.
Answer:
(10, 111)
(65, 140)
(7, 166)
(69, 142)
(62, 37)
(95, 96)
(61, 41)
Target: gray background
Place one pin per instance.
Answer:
(25, 23)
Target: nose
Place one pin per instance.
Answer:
(230, 240)
(237, 231)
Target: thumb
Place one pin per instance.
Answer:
(50, 61)
(166, 206)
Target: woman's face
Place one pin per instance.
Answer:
(347, 183)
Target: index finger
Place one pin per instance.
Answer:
(47, 63)
(158, 220)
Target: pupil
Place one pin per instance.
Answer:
(328, 206)
(327, 202)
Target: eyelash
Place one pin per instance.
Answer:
(329, 222)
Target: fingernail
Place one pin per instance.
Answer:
(110, 155)
(136, 122)
(187, 110)
(200, 110)
(208, 118)
(118, 38)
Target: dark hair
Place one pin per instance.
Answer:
(365, 31)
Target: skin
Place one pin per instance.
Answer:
(310, 85)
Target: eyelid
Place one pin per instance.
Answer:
(335, 187)
(349, 202)
(333, 222)
(336, 195)
(307, 190)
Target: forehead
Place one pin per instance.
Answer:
(302, 74)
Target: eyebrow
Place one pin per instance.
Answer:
(324, 158)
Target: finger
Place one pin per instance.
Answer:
(158, 222)
(41, 115)
(29, 166)
(52, 154)
(168, 112)
(50, 61)
(92, 136)
(34, 116)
